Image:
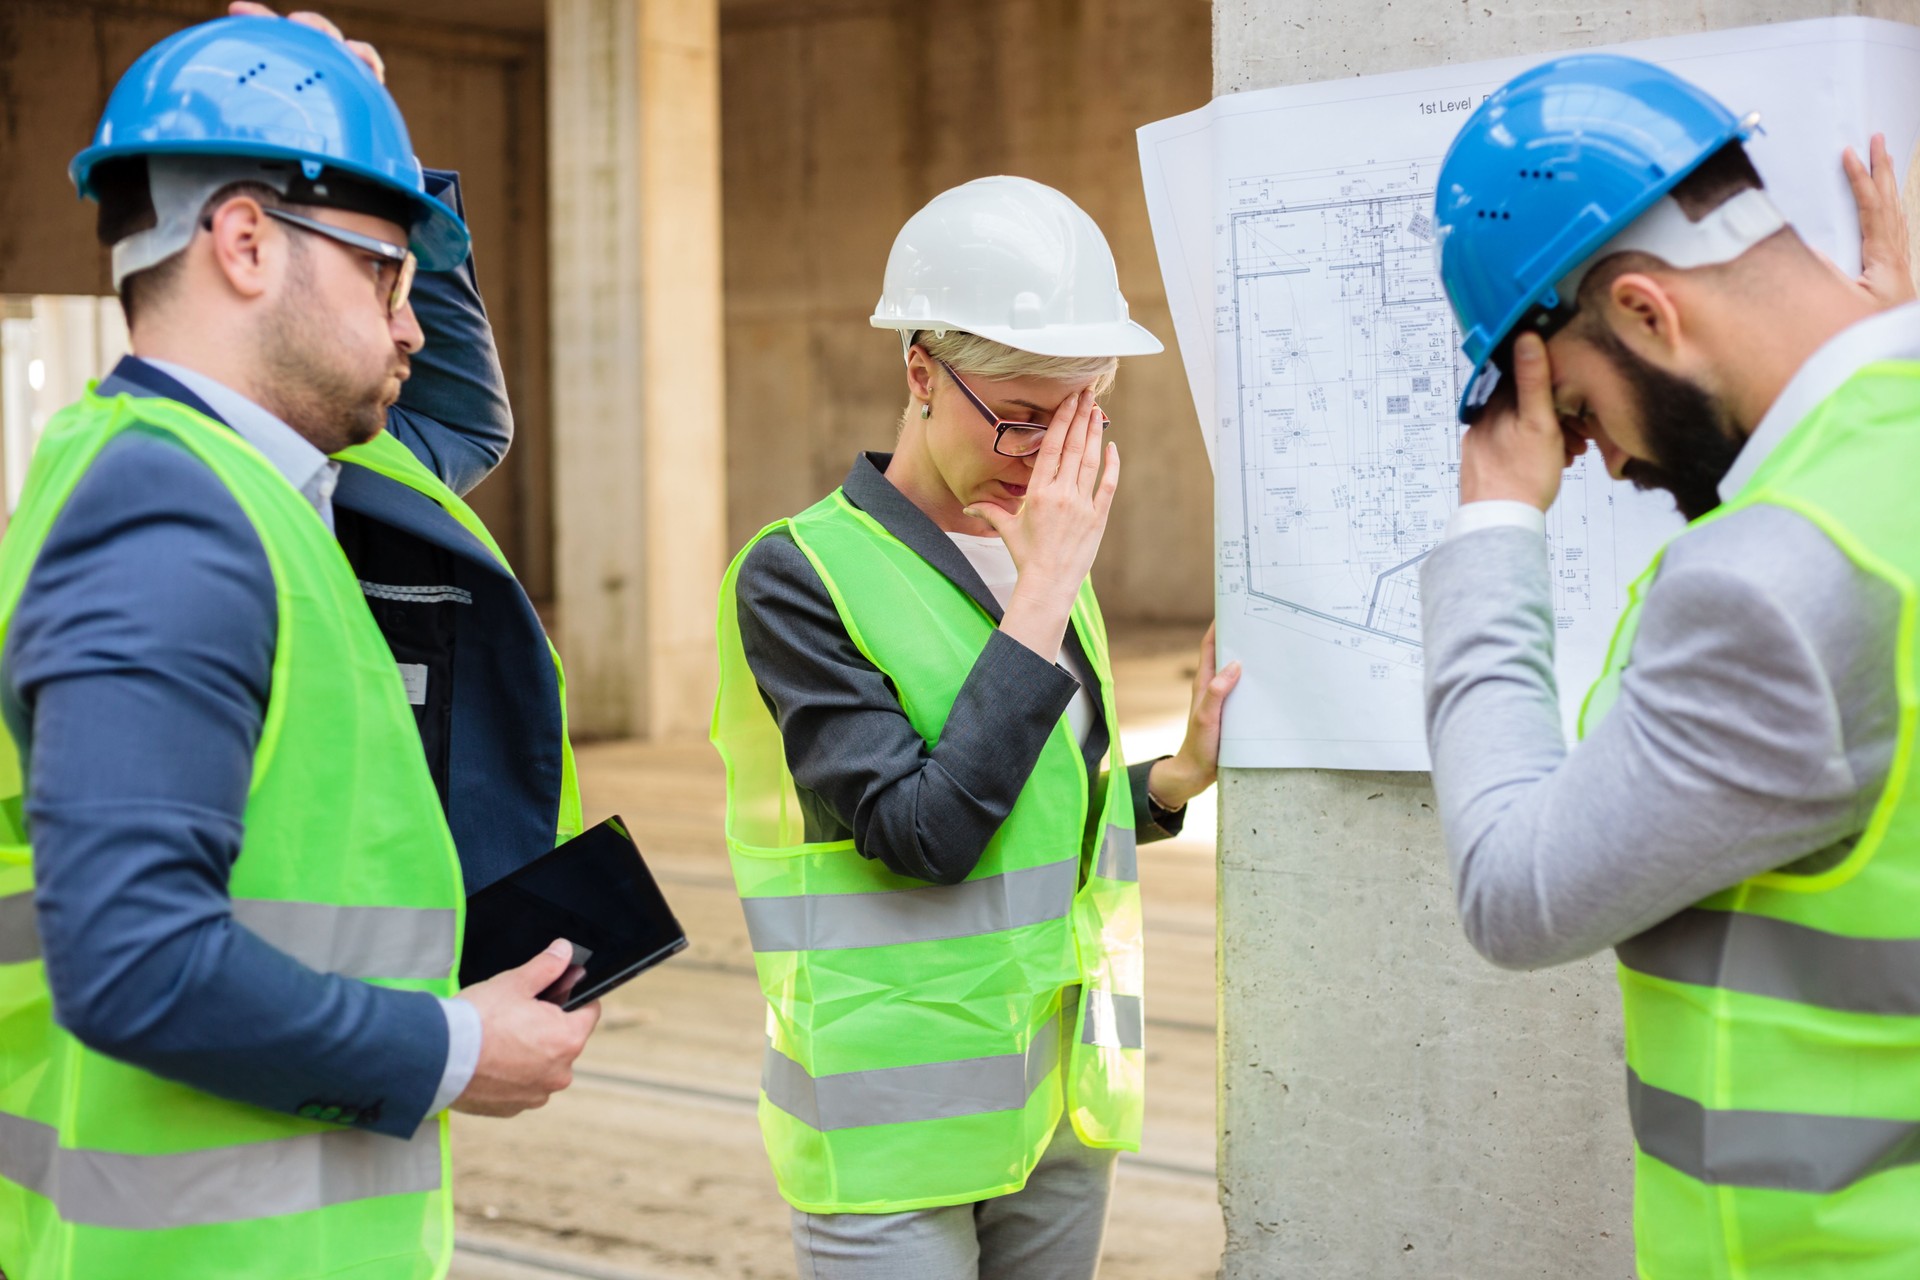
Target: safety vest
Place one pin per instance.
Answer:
(918, 1052)
(346, 864)
(1773, 1029)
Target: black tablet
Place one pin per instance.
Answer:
(594, 891)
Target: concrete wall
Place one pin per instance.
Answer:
(1390, 1104)
(841, 117)
(474, 101)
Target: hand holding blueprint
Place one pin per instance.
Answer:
(1295, 233)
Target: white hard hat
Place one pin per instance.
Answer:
(1015, 262)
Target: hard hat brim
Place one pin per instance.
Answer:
(438, 237)
(1091, 341)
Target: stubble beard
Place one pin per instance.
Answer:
(308, 380)
(1689, 431)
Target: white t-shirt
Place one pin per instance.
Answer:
(994, 563)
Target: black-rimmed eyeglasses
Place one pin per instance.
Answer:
(394, 258)
(1011, 438)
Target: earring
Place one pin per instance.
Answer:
(926, 410)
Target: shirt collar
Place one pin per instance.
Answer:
(290, 453)
(1891, 335)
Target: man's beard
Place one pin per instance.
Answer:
(308, 381)
(1690, 434)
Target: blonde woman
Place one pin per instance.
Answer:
(932, 829)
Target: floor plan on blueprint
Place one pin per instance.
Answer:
(1295, 230)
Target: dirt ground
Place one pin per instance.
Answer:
(650, 1167)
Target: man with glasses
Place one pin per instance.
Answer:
(274, 704)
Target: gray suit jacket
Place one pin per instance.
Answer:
(1754, 729)
(860, 767)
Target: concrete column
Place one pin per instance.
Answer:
(639, 449)
(1390, 1104)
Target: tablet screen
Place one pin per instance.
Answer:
(594, 891)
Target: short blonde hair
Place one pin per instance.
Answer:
(969, 353)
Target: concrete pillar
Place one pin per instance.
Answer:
(639, 448)
(1390, 1104)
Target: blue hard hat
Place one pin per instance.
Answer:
(269, 89)
(1554, 164)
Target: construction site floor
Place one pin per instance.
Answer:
(650, 1166)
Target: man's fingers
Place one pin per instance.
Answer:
(584, 1019)
(248, 9)
(371, 56)
(1533, 381)
(1861, 182)
(1883, 169)
(319, 22)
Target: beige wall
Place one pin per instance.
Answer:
(474, 101)
(841, 117)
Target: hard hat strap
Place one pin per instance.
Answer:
(179, 186)
(1665, 232)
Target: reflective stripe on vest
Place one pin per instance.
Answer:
(19, 932)
(1785, 1151)
(397, 943)
(839, 921)
(1119, 855)
(905, 1095)
(221, 1184)
(1114, 1021)
(1767, 957)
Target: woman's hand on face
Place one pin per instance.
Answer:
(1056, 533)
(1184, 775)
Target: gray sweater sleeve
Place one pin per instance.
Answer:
(1750, 732)
(925, 812)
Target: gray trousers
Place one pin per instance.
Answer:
(1050, 1229)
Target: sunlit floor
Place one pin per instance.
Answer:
(650, 1167)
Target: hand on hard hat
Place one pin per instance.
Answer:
(1517, 449)
(1055, 535)
(1886, 260)
(306, 18)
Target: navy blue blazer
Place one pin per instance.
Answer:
(135, 676)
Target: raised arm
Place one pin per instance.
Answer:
(453, 412)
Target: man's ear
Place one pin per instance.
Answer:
(248, 247)
(1643, 315)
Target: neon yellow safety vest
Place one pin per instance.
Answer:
(346, 864)
(915, 1031)
(1773, 1029)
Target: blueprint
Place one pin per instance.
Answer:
(1295, 229)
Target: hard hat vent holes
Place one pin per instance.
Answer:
(1497, 215)
(251, 72)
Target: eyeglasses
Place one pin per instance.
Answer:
(387, 258)
(1011, 439)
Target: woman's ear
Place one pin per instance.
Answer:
(919, 375)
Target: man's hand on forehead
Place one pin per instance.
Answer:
(306, 18)
(1518, 447)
